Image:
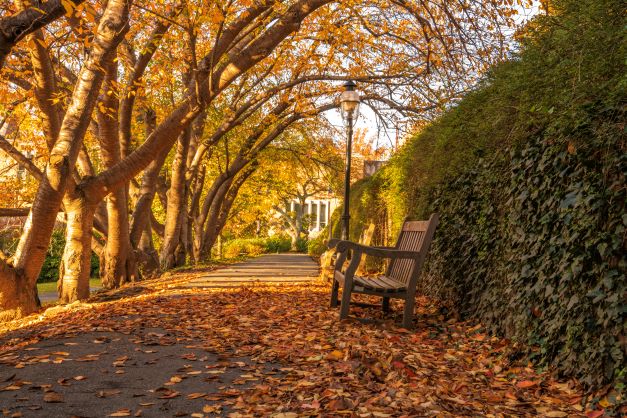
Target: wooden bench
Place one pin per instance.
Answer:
(400, 279)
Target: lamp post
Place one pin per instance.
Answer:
(349, 105)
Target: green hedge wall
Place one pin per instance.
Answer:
(533, 245)
(528, 175)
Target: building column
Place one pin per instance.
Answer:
(319, 207)
(329, 213)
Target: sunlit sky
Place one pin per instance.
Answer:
(387, 137)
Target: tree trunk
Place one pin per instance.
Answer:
(119, 266)
(197, 188)
(76, 262)
(18, 297)
(148, 258)
(210, 233)
(176, 203)
(199, 221)
(216, 221)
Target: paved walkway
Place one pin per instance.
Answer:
(267, 269)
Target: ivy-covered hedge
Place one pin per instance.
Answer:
(533, 244)
(528, 175)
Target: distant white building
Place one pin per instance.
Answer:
(317, 210)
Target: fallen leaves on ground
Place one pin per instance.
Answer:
(325, 367)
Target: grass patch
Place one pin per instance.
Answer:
(52, 286)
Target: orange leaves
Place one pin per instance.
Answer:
(168, 393)
(335, 355)
(53, 397)
(124, 412)
(526, 384)
(108, 393)
(281, 351)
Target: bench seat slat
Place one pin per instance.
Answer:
(380, 284)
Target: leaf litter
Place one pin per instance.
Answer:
(323, 366)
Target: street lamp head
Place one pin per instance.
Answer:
(349, 102)
(350, 85)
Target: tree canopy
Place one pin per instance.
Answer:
(141, 122)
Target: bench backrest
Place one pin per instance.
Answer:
(414, 236)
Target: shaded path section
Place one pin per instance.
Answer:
(267, 269)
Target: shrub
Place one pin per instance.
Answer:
(50, 267)
(301, 245)
(316, 246)
(278, 244)
(255, 246)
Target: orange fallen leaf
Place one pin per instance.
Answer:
(107, 393)
(556, 414)
(595, 414)
(196, 395)
(169, 395)
(124, 412)
(335, 355)
(526, 384)
(53, 397)
(211, 409)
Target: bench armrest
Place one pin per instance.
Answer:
(384, 252)
(332, 243)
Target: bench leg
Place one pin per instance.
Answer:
(386, 305)
(408, 313)
(346, 302)
(334, 291)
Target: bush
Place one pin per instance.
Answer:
(301, 245)
(54, 255)
(50, 268)
(316, 246)
(255, 246)
(278, 244)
